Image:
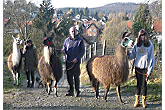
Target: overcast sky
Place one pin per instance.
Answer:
(84, 3)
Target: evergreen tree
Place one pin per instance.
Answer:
(86, 12)
(142, 19)
(81, 13)
(96, 15)
(62, 31)
(73, 10)
(43, 20)
(76, 11)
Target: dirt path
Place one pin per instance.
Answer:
(36, 98)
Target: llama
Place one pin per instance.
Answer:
(110, 69)
(14, 61)
(50, 66)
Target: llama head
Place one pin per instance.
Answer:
(17, 40)
(125, 40)
(48, 48)
(48, 41)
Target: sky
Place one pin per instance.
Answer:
(84, 3)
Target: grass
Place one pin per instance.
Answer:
(154, 85)
(8, 78)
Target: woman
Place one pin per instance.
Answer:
(30, 61)
(143, 53)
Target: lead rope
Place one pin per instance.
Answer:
(140, 72)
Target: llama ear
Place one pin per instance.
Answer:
(123, 35)
(13, 37)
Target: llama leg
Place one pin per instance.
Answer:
(48, 89)
(119, 95)
(14, 77)
(94, 87)
(106, 91)
(55, 88)
(97, 89)
(17, 77)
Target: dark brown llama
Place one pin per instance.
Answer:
(110, 69)
(50, 66)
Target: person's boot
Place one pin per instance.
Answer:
(32, 85)
(28, 83)
(144, 101)
(77, 93)
(32, 78)
(70, 93)
(137, 97)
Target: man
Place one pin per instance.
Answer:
(74, 50)
(30, 61)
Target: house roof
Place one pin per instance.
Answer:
(157, 26)
(28, 23)
(91, 25)
(5, 21)
(130, 24)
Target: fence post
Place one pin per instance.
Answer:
(104, 47)
(95, 49)
(85, 56)
(90, 51)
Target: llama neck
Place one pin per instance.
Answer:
(16, 54)
(120, 55)
(47, 54)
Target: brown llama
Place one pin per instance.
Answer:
(110, 69)
(14, 61)
(50, 66)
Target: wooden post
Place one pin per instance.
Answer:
(85, 55)
(95, 48)
(90, 51)
(104, 47)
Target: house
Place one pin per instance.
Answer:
(130, 24)
(77, 16)
(157, 28)
(57, 14)
(7, 26)
(90, 32)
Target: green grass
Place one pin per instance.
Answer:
(8, 78)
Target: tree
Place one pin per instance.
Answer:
(81, 13)
(112, 31)
(73, 11)
(156, 10)
(62, 31)
(96, 15)
(18, 14)
(125, 16)
(142, 19)
(43, 20)
(76, 11)
(86, 12)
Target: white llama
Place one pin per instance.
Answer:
(14, 61)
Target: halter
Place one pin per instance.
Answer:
(49, 44)
(126, 43)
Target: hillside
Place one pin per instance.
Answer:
(111, 8)
(116, 7)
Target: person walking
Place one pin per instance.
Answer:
(30, 61)
(74, 49)
(143, 53)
